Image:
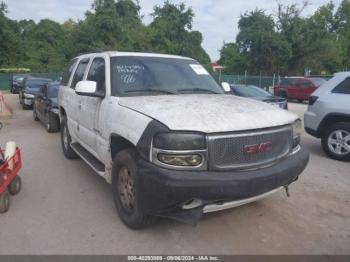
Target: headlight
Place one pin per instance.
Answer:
(180, 151)
(28, 95)
(180, 160)
(297, 130)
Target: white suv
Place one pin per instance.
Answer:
(169, 140)
(328, 116)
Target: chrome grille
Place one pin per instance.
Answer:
(227, 151)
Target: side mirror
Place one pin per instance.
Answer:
(226, 86)
(86, 88)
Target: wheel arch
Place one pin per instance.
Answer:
(118, 143)
(331, 119)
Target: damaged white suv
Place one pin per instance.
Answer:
(171, 143)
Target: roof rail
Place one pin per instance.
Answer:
(98, 50)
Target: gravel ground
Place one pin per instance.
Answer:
(64, 208)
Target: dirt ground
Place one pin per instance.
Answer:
(64, 208)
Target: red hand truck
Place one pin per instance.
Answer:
(10, 182)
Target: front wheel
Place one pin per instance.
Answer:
(35, 114)
(15, 186)
(126, 191)
(66, 141)
(4, 201)
(336, 141)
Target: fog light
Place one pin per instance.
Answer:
(180, 160)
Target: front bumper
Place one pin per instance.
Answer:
(28, 101)
(164, 192)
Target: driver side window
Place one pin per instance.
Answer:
(97, 73)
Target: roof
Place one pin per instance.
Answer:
(117, 53)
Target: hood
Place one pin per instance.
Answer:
(32, 91)
(208, 113)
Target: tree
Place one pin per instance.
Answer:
(10, 49)
(171, 32)
(264, 50)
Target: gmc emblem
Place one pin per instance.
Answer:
(258, 148)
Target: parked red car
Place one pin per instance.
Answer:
(299, 88)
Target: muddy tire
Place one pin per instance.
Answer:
(126, 190)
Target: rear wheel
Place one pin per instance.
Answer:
(15, 186)
(4, 201)
(126, 191)
(52, 124)
(66, 141)
(336, 141)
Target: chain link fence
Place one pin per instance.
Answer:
(5, 79)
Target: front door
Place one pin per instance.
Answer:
(90, 130)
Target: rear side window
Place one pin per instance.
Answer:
(67, 73)
(97, 73)
(304, 83)
(343, 87)
(79, 73)
(287, 81)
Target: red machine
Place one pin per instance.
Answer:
(10, 182)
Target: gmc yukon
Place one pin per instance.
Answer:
(169, 140)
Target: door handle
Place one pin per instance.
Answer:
(79, 106)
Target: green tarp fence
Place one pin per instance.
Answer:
(5, 78)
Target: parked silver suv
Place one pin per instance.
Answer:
(328, 116)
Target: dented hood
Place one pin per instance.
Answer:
(208, 113)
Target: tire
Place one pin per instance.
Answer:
(66, 141)
(15, 186)
(125, 180)
(35, 115)
(4, 201)
(52, 124)
(336, 141)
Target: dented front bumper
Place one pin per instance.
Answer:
(166, 192)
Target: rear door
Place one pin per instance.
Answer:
(341, 97)
(306, 88)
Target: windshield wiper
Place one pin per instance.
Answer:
(198, 90)
(150, 90)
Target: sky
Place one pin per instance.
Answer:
(216, 19)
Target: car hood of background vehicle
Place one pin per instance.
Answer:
(208, 113)
(32, 91)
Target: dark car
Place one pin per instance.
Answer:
(16, 82)
(30, 88)
(45, 107)
(259, 94)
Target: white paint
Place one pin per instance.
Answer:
(209, 113)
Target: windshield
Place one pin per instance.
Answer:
(318, 81)
(52, 91)
(250, 91)
(35, 84)
(152, 76)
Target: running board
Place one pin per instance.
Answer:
(92, 161)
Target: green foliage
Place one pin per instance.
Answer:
(290, 43)
(111, 24)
